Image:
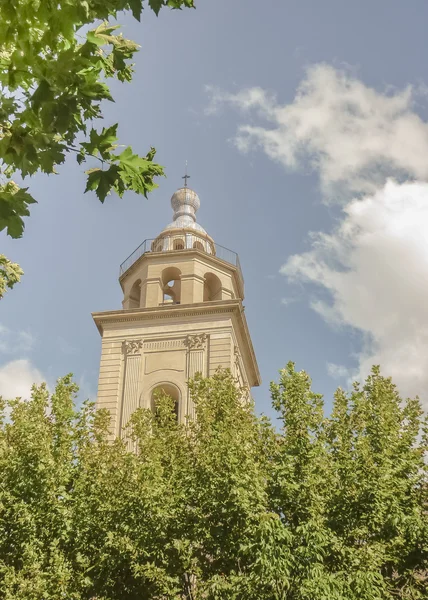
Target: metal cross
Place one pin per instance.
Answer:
(185, 176)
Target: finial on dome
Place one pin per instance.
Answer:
(185, 176)
(185, 202)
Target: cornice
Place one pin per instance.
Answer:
(248, 345)
(165, 312)
(190, 276)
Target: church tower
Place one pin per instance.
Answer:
(182, 314)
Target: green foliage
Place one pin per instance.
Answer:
(55, 61)
(226, 506)
(14, 203)
(10, 273)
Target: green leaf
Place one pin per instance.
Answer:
(177, 4)
(136, 172)
(42, 94)
(136, 7)
(14, 202)
(156, 5)
(102, 34)
(96, 91)
(93, 179)
(102, 142)
(102, 182)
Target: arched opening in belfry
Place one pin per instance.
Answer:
(157, 246)
(198, 245)
(171, 285)
(135, 295)
(212, 287)
(178, 244)
(170, 390)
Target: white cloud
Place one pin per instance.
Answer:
(337, 371)
(352, 135)
(15, 342)
(375, 266)
(374, 263)
(17, 377)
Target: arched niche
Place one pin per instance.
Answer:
(198, 245)
(135, 295)
(171, 285)
(170, 390)
(212, 287)
(178, 244)
(157, 246)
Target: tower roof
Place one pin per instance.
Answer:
(185, 202)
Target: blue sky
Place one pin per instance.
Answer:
(293, 117)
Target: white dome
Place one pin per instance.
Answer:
(185, 202)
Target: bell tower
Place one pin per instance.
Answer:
(182, 314)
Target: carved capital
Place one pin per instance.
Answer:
(196, 342)
(131, 347)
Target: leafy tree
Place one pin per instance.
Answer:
(55, 61)
(226, 506)
(10, 273)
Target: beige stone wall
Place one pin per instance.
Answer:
(110, 379)
(220, 351)
(141, 356)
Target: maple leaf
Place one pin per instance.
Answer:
(14, 203)
(156, 5)
(102, 182)
(102, 142)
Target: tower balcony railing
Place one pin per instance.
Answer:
(170, 244)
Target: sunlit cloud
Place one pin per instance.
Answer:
(369, 150)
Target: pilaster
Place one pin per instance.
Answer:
(152, 294)
(192, 288)
(132, 351)
(196, 362)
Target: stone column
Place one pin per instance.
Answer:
(151, 292)
(196, 362)
(131, 379)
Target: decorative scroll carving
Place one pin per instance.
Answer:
(131, 347)
(196, 342)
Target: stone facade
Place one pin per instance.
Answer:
(182, 314)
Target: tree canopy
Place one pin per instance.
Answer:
(227, 506)
(56, 58)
